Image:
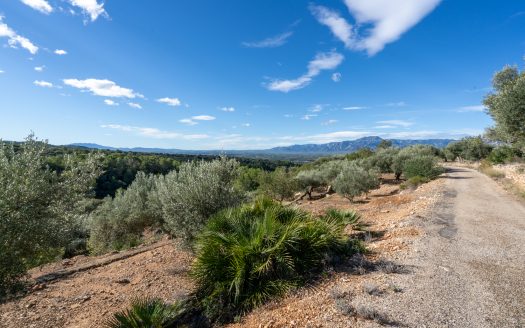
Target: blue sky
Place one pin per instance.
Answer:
(250, 74)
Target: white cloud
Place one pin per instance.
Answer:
(40, 68)
(134, 105)
(401, 123)
(1, 71)
(43, 84)
(203, 118)
(338, 25)
(385, 127)
(308, 117)
(188, 121)
(170, 101)
(41, 5)
(60, 52)
(103, 88)
(396, 104)
(272, 42)
(354, 107)
(322, 61)
(246, 125)
(386, 20)
(329, 122)
(228, 109)
(14, 40)
(110, 102)
(332, 136)
(336, 77)
(154, 132)
(91, 8)
(475, 108)
(317, 108)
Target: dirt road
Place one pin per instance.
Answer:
(469, 268)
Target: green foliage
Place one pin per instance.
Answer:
(504, 154)
(148, 313)
(200, 189)
(351, 218)
(421, 166)
(354, 180)
(359, 154)
(506, 106)
(279, 184)
(399, 159)
(382, 160)
(414, 182)
(249, 179)
(119, 222)
(384, 144)
(469, 148)
(39, 208)
(247, 255)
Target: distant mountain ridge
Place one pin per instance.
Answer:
(326, 148)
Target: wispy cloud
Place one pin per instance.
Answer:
(228, 109)
(110, 102)
(174, 102)
(397, 123)
(14, 40)
(336, 77)
(134, 105)
(317, 108)
(272, 42)
(154, 132)
(90, 8)
(337, 24)
(322, 61)
(203, 118)
(43, 84)
(378, 22)
(387, 20)
(246, 125)
(308, 117)
(396, 104)
(103, 88)
(60, 52)
(40, 68)
(475, 108)
(41, 5)
(354, 107)
(329, 122)
(193, 119)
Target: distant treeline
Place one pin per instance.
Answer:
(120, 168)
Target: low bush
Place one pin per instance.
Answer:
(247, 255)
(486, 168)
(469, 148)
(414, 182)
(119, 222)
(504, 154)
(148, 313)
(421, 166)
(354, 180)
(279, 184)
(197, 191)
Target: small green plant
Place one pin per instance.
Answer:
(247, 255)
(279, 184)
(421, 166)
(414, 182)
(351, 218)
(486, 168)
(148, 313)
(354, 180)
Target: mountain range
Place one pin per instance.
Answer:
(340, 147)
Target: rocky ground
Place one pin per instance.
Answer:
(513, 172)
(87, 298)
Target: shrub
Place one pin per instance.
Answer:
(359, 154)
(504, 154)
(421, 166)
(279, 184)
(310, 179)
(249, 179)
(248, 255)
(470, 148)
(487, 168)
(382, 160)
(39, 208)
(414, 182)
(200, 189)
(354, 180)
(148, 313)
(119, 222)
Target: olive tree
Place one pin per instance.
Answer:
(39, 207)
(354, 180)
